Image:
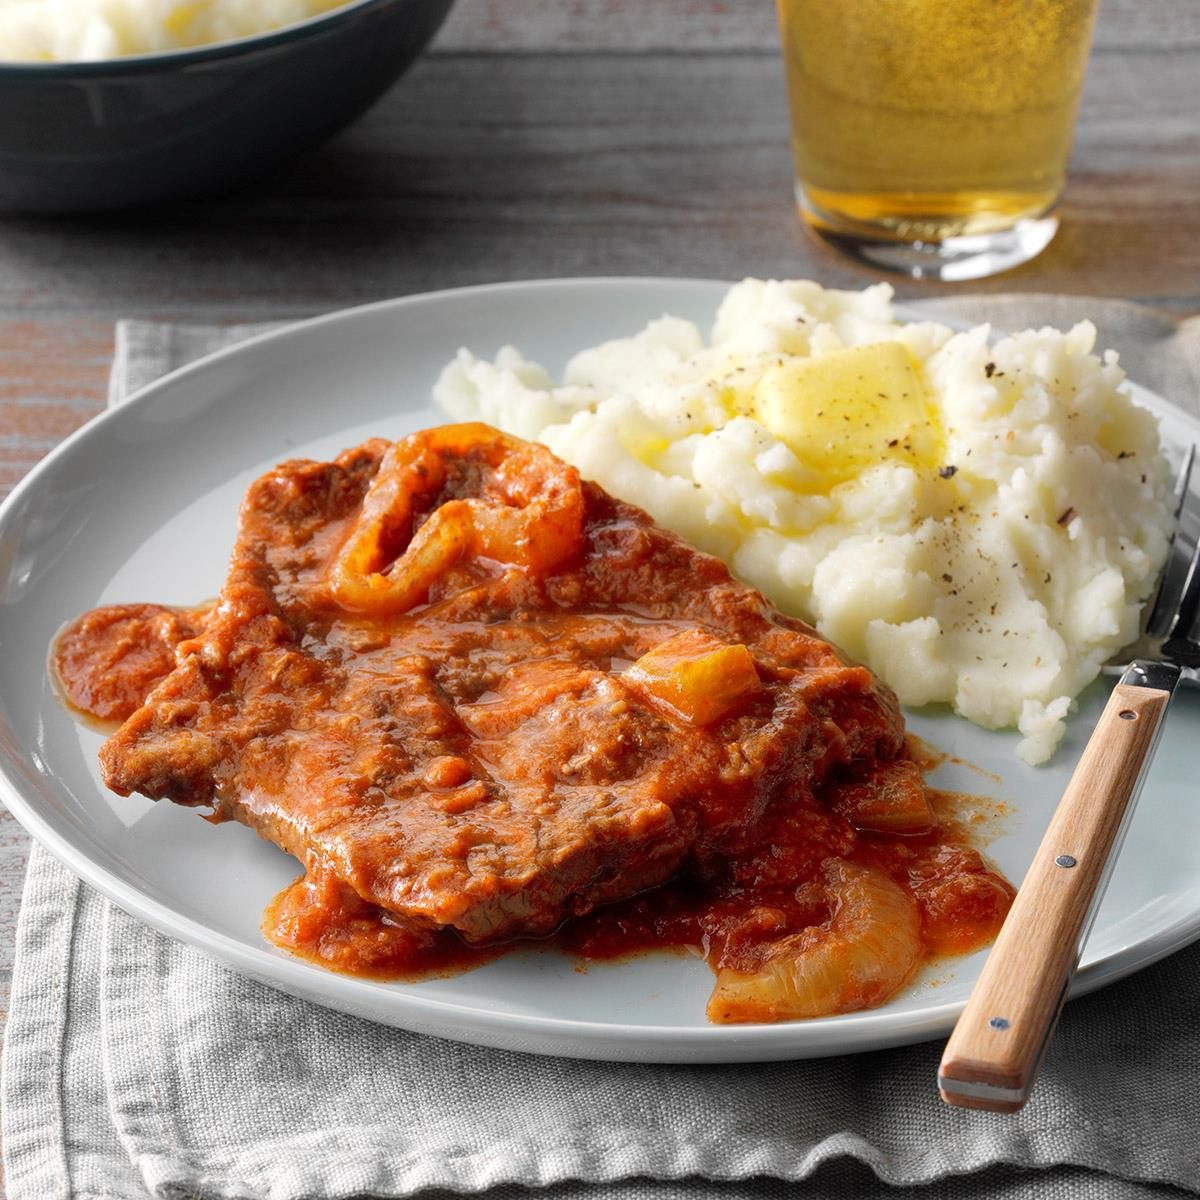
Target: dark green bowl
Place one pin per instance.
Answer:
(80, 137)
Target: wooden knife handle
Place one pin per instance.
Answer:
(994, 1053)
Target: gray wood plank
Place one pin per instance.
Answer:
(479, 168)
(569, 26)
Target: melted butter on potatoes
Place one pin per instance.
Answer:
(844, 412)
(979, 521)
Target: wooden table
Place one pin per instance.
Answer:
(581, 137)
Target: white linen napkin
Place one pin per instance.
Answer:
(134, 1066)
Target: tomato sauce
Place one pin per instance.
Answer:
(733, 914)
(106, 661)
(486, 703)
(320, 919)
(737, 915)
(734, 911)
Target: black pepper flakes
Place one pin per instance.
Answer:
(989, 369)
(948, 472)
(1066, 517)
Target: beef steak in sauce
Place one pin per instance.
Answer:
(486, 695)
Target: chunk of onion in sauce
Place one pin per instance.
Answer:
(862, 955)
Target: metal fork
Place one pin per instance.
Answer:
(993, 1056)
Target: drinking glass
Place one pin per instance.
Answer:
(931, 136)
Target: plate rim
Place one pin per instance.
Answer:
(870, 1029)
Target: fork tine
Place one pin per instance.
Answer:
(1184, 480)
(1180, 646)
(1159, 610)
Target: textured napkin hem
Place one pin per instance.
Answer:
(145, 351)
(340, 1173)
(35, 1160)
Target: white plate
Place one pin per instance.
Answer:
(141, 505)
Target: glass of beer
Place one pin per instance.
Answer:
(931, 136)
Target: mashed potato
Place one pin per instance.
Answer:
(979, 521)
(83, 30)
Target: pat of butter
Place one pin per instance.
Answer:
(177, 21)
(843, 412)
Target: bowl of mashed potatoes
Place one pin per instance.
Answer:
(106, 104)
